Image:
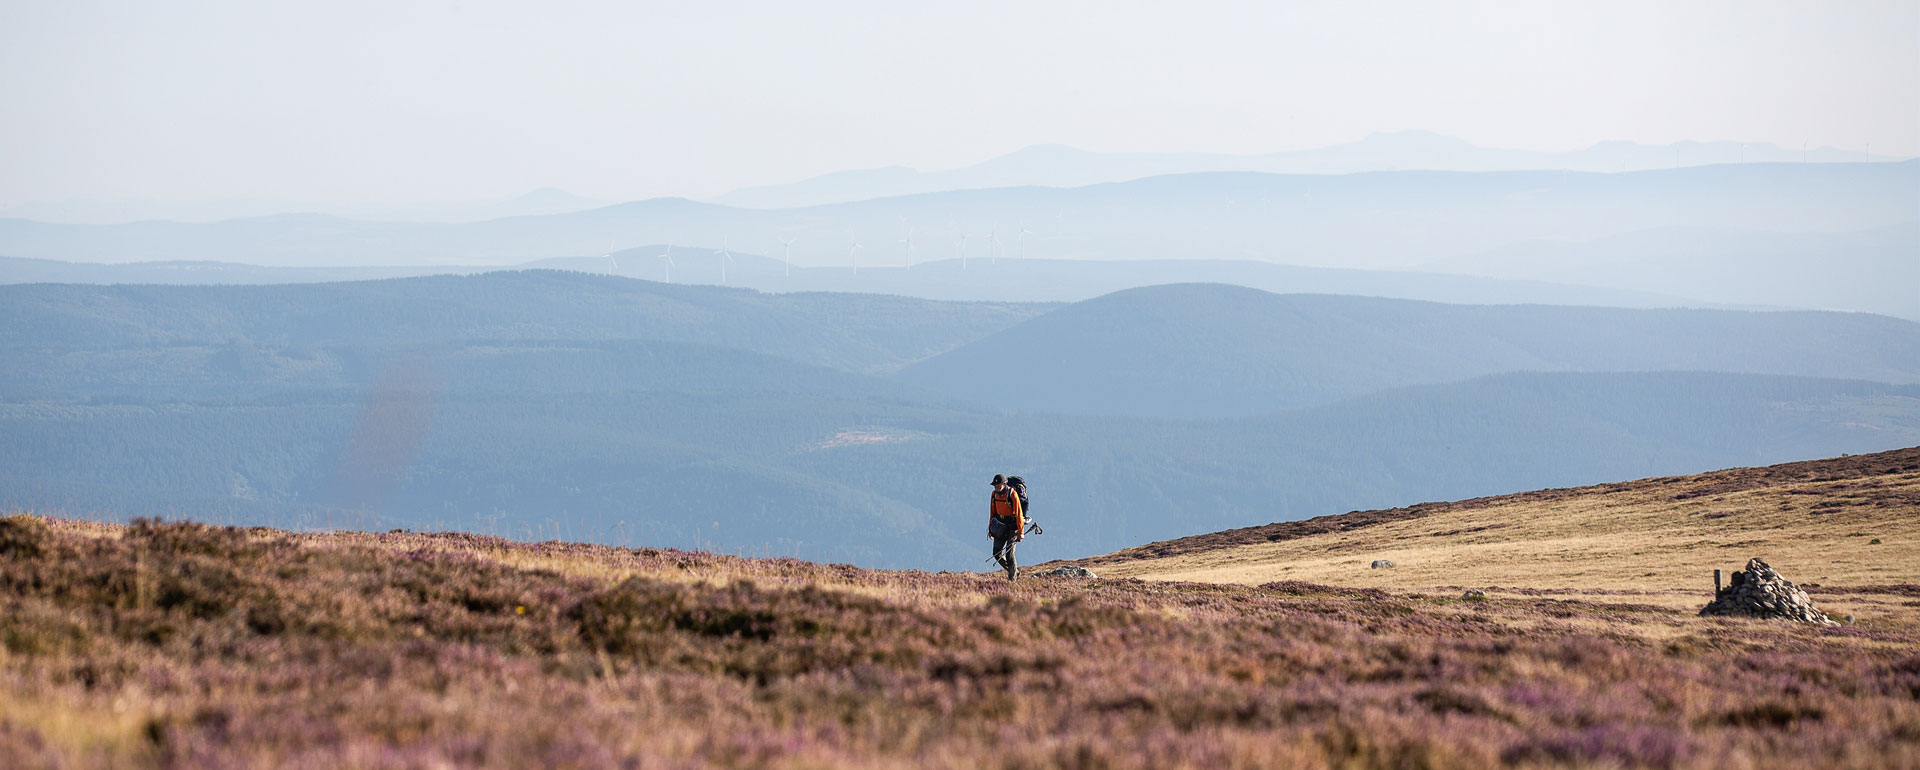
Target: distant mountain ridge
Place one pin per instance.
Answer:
(1062, 166)
(546, 200)
(1373, 221)
(1003, 280)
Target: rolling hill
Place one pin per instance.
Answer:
(1872, 270)
(975, 280)
(1222, 351)
(858, 332)
(547, 404)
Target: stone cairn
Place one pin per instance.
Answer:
(1760, 592)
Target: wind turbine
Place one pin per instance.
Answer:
(786, 253)
(1024, 232)
(611, 264)
(909, 242)
(668, 256)
(850, 250)
(963, 251)
(993, 246)
(724, 259)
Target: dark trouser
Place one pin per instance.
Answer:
(1003, 552)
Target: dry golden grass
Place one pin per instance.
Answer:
(1655, 542)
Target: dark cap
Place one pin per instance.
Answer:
(999, 479)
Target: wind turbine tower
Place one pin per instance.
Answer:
(611, 264)
(963, 251)
(909, 242)
(786, 253)
(1024, 232)
(850, 258)
(668, 256)
(725, 257)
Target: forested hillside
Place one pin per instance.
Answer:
(543, 404)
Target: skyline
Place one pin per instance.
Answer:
(449, 101)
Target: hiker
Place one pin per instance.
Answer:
(1006, 523)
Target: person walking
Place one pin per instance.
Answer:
(1006, 523)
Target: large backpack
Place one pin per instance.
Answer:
(1020, 487)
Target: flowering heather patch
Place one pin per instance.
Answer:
(185, 646)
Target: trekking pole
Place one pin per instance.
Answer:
(1033, 528)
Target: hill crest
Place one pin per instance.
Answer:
(1847, 520)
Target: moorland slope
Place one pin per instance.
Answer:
(182, 645)
(1846, 527)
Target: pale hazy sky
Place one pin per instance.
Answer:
(409, 101)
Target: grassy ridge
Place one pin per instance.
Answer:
(1840, 525)
(182, 645)
(1798, 478)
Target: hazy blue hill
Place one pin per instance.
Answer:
(1204, 350)
(547, 404)
(854, 332)
(243, 373)
(1059, 166)
(19, 270)
(1873, 270)
(934, 277)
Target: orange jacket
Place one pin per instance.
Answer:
(1006, 503)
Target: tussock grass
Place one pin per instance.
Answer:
(186, 646)
(1655, 541)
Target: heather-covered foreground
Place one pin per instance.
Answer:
(178, 645)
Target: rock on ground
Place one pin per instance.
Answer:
(1069, 571)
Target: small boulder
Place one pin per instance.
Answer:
(1382, 564)
(1474, 595)
(1070, 571)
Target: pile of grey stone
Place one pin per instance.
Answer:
(1069, 571)
(1760, 592)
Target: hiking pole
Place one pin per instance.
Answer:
(1033, 528)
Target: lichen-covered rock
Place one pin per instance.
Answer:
(1382, 564)
(1069, 571)
(1760, 592)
